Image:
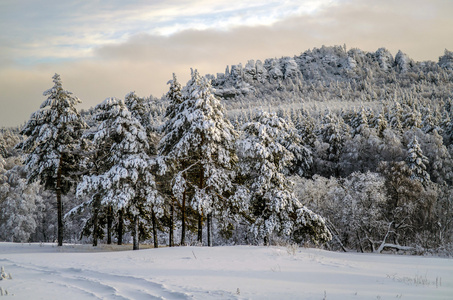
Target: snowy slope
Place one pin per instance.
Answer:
(236, 272)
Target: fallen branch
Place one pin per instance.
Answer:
(394, 246)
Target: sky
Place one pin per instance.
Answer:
(109, 48)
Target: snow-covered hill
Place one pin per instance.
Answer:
(43, 271)
(333, 74)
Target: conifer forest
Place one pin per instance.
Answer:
(337, 148)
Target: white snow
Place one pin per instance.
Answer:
(44, 271)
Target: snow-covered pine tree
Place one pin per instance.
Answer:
(380, 125)
(394, 115)
(53, 134)
(174, 97)
(334, 132)
(359, 122)
(140, 110)
(305, 126)
(2, 150)
(262, 160)
(127, 183)
(302, 162)
(198, 148)
(171, 134)
(417, 162)
(411, 117)
(95, 157)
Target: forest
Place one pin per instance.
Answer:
(345, 150)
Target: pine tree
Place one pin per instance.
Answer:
(381, 124)
(302, 162)
(171, 134)
(274, 208)
(334, 132)
(305, 126)
(53, 133)
(417, 162)
(126, 183)
(174, 97)
(139, 110)
(198, 145)
(394, 116)
(359, 122)
(411, 117)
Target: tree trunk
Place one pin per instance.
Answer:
(200, 217)
(170, 238)
(335, 234)
(359, 241)
(183, 224)
(95, 226)
(135, 233)
(153, 216)
(109, 224)
(120, 227)
(59, 204)
(200, 229)
(209, 224)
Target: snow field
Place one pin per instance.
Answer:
(44, 271)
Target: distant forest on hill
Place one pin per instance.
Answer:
(344, 149)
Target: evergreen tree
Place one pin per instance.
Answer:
(127, 182)
(305, 126)
(381, 124)
(139, 110)
(359, 122)
(394, 116)
(53, 133)
(198, 145)
(417, 162)
(333, 132)
(411, 118)
(174, 97)
(274, 208)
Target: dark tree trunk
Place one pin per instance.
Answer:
(200, 217)
(95, 226)
(209, 224)
(120, 227)
(200, 228)
(154, 220)
(59, 204)
(170, 238)
(183, 223)
(109, 224)
(135, 233)
(43, 224)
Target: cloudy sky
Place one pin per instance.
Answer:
(108, 48)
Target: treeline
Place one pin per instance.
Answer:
(194, 171)
(367, 145)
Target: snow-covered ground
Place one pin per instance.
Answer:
(44, 271)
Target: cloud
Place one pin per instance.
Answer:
(144, 62)
(42, 30)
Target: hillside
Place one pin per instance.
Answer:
(336, 74)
